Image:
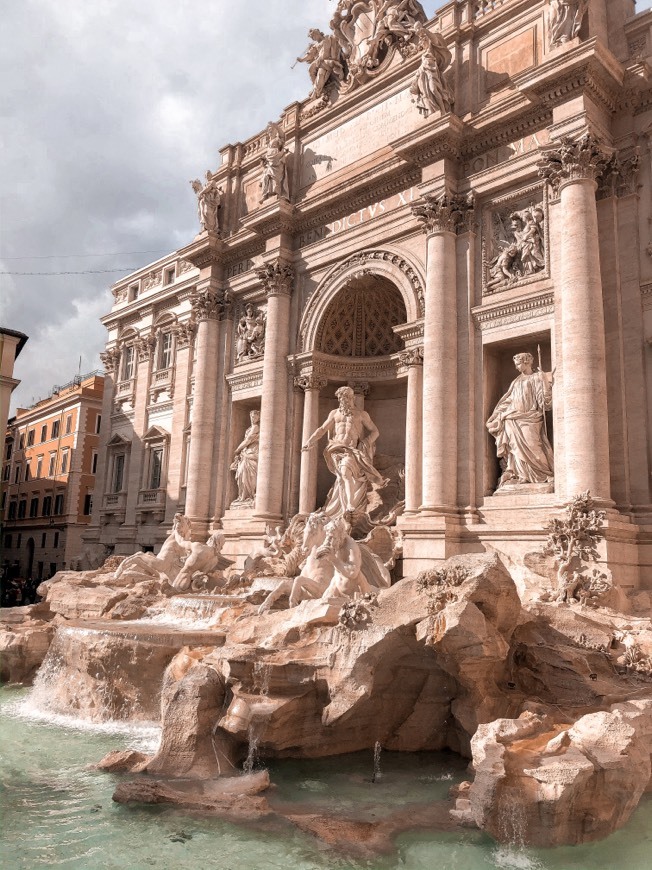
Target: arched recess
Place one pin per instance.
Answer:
(384, 263)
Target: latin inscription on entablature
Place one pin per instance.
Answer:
(522, 146)
(362, 216)
(239, 268)
(359, 137)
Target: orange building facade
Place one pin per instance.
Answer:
(48, 478)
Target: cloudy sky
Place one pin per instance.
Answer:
(107, 109)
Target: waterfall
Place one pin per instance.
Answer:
(376, 774)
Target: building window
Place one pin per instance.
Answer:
(12, 510)
(165, 351)
(98, 424)
(56, 539)
(44, 538)
(155, 467)
(58, 504)
(21, 442)
(133, 292)
(88, 504)
(39, 466)
(68, 424)
(39, 575)
(6, 472)
(22, 509)
(17, 474)
(9, 449)
(8, 542)
(53, 569)
(56, 425)
(52, 465)
(33, 508)
(94, 463)
(30, 438)
(47, 506)
(170, 275)
(64, 461)
(4, 501)
(19, 541)
(127, 363)
(118, 472)
(44, 433)
(28, 471)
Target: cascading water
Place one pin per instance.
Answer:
(376, 774)
(252, 753)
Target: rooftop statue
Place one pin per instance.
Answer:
(565, 19)
(209, 202)
(349, 456)
(518, 424)
(275, 175)
(324, 55)
(429, 86)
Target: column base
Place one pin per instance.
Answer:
(244, 532)
(429, 539)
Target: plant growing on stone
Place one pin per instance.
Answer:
(439, 585)
(357, 613)
(573, 541)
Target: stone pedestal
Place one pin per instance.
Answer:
(277, 280)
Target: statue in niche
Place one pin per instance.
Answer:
(349, 456)
(250, 342)
(209, 202)
(245, 462)
(565, 20)
(429, 86)
(336, 566)
(324, 56)
(518, 423)
(275, 175)
(522, 247)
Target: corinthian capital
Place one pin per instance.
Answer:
(185, 332)
(413, 356)
(110, 359)
(310, 382)
(208, 304)
(443, 213)
(574, 160)
(277, 278)
(145, 345)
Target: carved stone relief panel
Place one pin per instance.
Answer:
(515, 245)
(250, 334)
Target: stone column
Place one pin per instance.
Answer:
(144, 349)
(277, 279)
(312, 386)
(572, 169)
(441, 217)
(207, 308)
(183, 355)
(110, 361)
(413, 359)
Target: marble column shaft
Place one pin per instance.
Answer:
(413, 359)
(179, 412)
(583, 343)
(309, 458)
(440, 373)
(277, 281)
(207, 308)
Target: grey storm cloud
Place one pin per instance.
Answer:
(107, 109)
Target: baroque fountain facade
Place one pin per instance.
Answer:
(382, 433)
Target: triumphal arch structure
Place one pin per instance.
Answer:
(455, 223)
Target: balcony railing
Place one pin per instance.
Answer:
(151, 497)
(115, 501)
(484, 7)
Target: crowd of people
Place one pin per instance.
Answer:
(18, 591)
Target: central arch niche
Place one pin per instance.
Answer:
(359, 321)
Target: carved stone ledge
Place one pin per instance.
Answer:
(443, 213)
(277, 278)
(513, 312)
(574, 160)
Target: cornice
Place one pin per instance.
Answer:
(493, 316)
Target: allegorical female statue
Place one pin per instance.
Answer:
(429, 86)
(245, 462)
(518, 424)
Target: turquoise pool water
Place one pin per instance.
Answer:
(54, 812)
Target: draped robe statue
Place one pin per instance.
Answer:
(245, 462)
(519, 427)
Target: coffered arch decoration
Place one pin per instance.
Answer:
(387, 267)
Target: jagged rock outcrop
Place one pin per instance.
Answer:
(25, 637)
